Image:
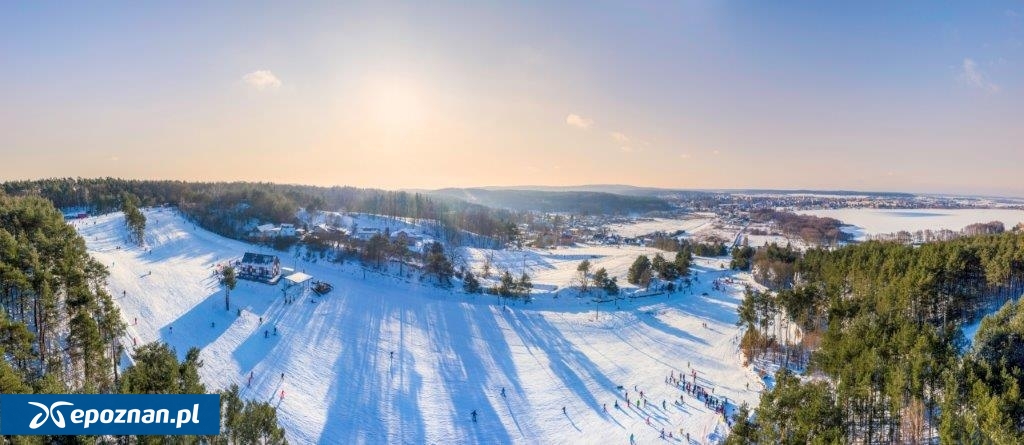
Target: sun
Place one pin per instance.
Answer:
(396, 106)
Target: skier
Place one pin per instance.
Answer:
(616, 404)
(503, 392)
(282, 394)
(631, 438)
(266, 334)
(282, 376)
(474, 415)
(261, 320)
(170, 329)
(605, 406)
(563, 410)
(663, 405)
(275, 330)
(212, 324)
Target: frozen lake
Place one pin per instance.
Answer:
(876, 221)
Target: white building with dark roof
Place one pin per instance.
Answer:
(259, 267)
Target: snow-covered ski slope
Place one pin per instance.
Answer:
(453, 353)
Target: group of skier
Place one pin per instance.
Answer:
(697, 391)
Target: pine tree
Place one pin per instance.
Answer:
(399, 251)
(600, 276)
(583, 269)
(611, 286)
(666, 270)
(376, 250)
(229, 282)
(135, 221)
(744, 431)
(641, 265)
(470, 284)
(524, 286)
(438, 264)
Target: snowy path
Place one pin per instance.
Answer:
(453, 353)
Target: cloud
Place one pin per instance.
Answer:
(971, 75)
(114, 159)
(578, 121)
(619, 137)
(626, 149)
(684, 156)
(262, 80)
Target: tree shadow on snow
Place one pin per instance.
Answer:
(193, 327)
(367, 383)
(566, 361)
(461, 343)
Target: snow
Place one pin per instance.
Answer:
(668, 225)
(881, 221)
(452, 352)
(970, 330)
(298, 278)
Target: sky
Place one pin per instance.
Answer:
(894, 96)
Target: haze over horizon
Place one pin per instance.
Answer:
(905, 97)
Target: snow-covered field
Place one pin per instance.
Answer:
(879, 221)
(556, 268)
(452, 353)
(668, 225)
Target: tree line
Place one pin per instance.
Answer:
(227, 208)
(881, 323)
(60, 330)
(644, 270)
(814, 230)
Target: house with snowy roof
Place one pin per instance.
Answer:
(259, 267)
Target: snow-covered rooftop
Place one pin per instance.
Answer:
(298, 278)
